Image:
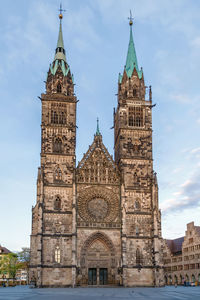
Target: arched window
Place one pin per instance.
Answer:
(137, 204)
(193, 278)
(62, 118)
(137, 230)
(130, 121)
(138, 257)
(57, 203)
(138, 122)
(58, 174)
(57, 254)
(134, 92)
(57, 147)
(59, 88)
(54, 117)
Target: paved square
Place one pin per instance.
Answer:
(165, 293)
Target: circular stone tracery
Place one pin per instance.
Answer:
(98, 204)
(97, 208)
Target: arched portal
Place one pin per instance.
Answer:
(98, 262)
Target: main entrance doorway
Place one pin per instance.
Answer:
(92, 276)
(103, 276)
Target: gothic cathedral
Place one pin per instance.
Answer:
(97, 223)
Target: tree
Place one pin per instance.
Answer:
(24, 255)
(9, 264)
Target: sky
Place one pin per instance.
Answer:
(96, 35)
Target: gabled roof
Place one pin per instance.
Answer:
(99, 163)
(175, 245)
(97, 143)
(197, 228)
(4, 250)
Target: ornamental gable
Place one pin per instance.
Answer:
(97, 165)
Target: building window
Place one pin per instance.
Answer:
(135, 116)
(58, 174)
(137, 204)
(130, 121)
(59, 88)
(62, 118)
(134, 92)
(138, 257)
(57, 203)
(57, 254)
(54, 117)
(57, 147)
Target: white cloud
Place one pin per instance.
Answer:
(188, 196)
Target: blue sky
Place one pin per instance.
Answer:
(96, 35)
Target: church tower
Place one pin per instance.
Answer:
(141, 219)
(53, 217)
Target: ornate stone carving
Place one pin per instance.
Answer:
(98, 204)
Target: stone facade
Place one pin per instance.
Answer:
(182, 257)
(98, 223)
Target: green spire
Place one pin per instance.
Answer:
(131, 59)
(60, 51)
(98, 131)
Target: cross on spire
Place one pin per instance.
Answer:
(130, 19)
(98, 131)
(61, 10)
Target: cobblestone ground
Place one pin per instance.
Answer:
(166, 293)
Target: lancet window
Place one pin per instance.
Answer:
(138, 257)
(57, 203)
(58, 174)
(57, 254)
(58, 117)
(57, 146)
(135, 116)
(59, 88)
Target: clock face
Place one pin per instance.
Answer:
(97, 208)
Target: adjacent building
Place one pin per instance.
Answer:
(98, 222)
(182, 257)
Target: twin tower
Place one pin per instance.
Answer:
(97, 223)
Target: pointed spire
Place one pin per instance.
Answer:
(131, 59)
(98, 131)
(60, 51)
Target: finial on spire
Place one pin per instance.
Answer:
(130, 19)
(61, 10)
(98, 131)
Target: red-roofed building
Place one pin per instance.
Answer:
(182, 257)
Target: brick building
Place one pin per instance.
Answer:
(99, 222)
(182, 257)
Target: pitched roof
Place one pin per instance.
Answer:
(4, 250)
(197, 228)
(175, 245)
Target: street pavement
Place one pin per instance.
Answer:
(165, 293)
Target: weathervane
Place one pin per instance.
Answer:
(61, 10)
(130, 19)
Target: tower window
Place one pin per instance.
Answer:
(59, 88)
(134, 92)
(135, 116)
(57, 147)
(57, 203)
(138, 257)
(57, 254)
(137, 204)
(62, 118)
(54, 117)
(130, 121)
(58, 174)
